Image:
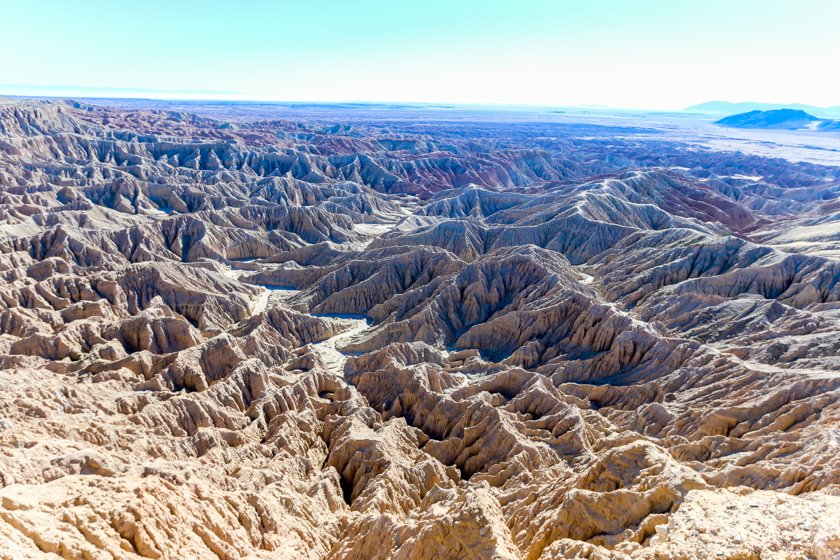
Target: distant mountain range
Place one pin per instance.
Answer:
(728, 108)
(784, 119)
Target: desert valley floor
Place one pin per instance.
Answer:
(352, 332)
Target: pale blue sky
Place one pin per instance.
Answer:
(664, 54)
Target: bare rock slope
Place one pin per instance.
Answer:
(411, 340)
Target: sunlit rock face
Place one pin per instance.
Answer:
(406, 339)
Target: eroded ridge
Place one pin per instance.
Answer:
(411, 339)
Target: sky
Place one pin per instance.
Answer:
(644, 54)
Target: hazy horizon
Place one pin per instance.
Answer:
(116, 94)
(651, 54)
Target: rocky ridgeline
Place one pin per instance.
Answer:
(307, 340)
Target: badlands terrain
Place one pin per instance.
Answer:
(349, 332)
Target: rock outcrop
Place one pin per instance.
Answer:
(411, 340)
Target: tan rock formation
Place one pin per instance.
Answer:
(410, 340)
